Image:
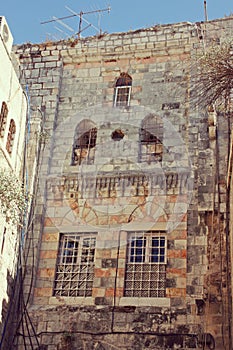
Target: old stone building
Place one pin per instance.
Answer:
(128, 247)
(13, 109)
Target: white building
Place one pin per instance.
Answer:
(13, 111)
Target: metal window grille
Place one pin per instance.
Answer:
(75, 265)
(84, 147)
(122, 96)
(151, 140)
(3, 118)
(146, 265)
(11, 136)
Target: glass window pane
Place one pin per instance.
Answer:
(75, 267)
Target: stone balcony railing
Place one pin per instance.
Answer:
(108, 185)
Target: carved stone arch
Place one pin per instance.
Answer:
(148, 211)
(89, 215)
(78, 212)
(124, 80)
(84, 142)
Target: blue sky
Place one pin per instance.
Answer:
(24, 17)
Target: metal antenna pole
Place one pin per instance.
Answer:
(80, 23)
(81, 19)
(85, 13)
(205, 9)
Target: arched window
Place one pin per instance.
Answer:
(123, 90)
(151, 139)
(10, 136)
(84, 143)
(3, 118)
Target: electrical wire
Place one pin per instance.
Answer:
(115, 282)
(171, 334)
(27, 249)
(228, 255)
(23, 320)
(17, 279)
(219, 233)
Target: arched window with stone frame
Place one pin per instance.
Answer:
(11, 136)
(3, 118)
(84, 143)
(151, 139)
(123, 88)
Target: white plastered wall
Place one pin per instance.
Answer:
(12, 94)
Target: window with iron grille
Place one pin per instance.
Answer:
(145, 274)
(3, 118)
(123, 90)
(75, 265)
(11, 136)
(151, 139)
(84, 143)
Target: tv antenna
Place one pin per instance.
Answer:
(81, 20)
(205, 10)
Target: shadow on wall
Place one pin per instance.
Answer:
(10, 313)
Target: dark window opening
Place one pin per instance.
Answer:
(84, 143)
(11, 136)
(151, 140)
(3, 239)
(3, 118)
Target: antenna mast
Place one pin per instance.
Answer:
(205, 10)
(81, 19)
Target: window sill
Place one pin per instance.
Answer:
(136, 301)
(60, 300)
(123, 301)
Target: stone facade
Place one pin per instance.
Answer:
(128, 246)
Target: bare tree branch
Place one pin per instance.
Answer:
(212, 76)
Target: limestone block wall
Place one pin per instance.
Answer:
(114, 192)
